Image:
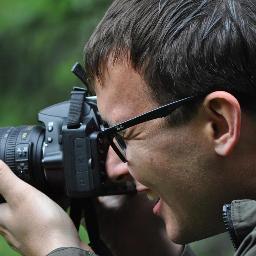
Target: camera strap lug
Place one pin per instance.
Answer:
(76, 107)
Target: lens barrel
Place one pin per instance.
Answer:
(21, 149)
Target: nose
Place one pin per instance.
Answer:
(116, 169)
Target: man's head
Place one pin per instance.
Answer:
(181, 48)
(142, 55)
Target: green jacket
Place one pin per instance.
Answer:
(239, 218)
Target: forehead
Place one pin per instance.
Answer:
(122, 93)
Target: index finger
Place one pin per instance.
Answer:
(11, 186)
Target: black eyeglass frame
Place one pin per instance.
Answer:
(160, 112)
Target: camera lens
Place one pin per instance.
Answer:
(21, 149)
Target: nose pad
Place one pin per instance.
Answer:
(116, 169)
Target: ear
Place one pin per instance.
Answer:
(224, 121)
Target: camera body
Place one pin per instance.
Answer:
(78, 153)
(65, 155)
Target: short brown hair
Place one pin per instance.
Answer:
(183, 48)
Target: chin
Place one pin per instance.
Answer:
(175, 229)
(177, 236)
(174, 234)
(179, 231)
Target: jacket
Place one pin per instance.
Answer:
(240, 220)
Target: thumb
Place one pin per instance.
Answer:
(5, 218)
(11, 186)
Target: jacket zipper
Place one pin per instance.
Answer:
(226, 215)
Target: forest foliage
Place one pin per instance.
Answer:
(39, 42)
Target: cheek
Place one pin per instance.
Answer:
(163, 161)
(145, 162)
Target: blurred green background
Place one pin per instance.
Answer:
(39, 42)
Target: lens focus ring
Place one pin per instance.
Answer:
(10, 147)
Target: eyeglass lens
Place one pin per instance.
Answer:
(119, 146)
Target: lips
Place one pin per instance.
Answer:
(157, 207)
(152, 196)
(140, 187)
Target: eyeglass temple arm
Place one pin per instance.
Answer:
(159, 112)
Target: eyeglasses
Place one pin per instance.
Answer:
(117, 141)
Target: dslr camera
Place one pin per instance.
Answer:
(66, 154)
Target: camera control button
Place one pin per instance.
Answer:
(49, 139)
(50, 126)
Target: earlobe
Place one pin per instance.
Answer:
(224, 115)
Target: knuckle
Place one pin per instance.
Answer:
(3, 167)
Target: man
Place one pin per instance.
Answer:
(194, 63)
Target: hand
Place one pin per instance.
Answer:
(31, 222)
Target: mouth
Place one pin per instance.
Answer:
(153, 197)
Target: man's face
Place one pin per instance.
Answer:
(170, 161)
